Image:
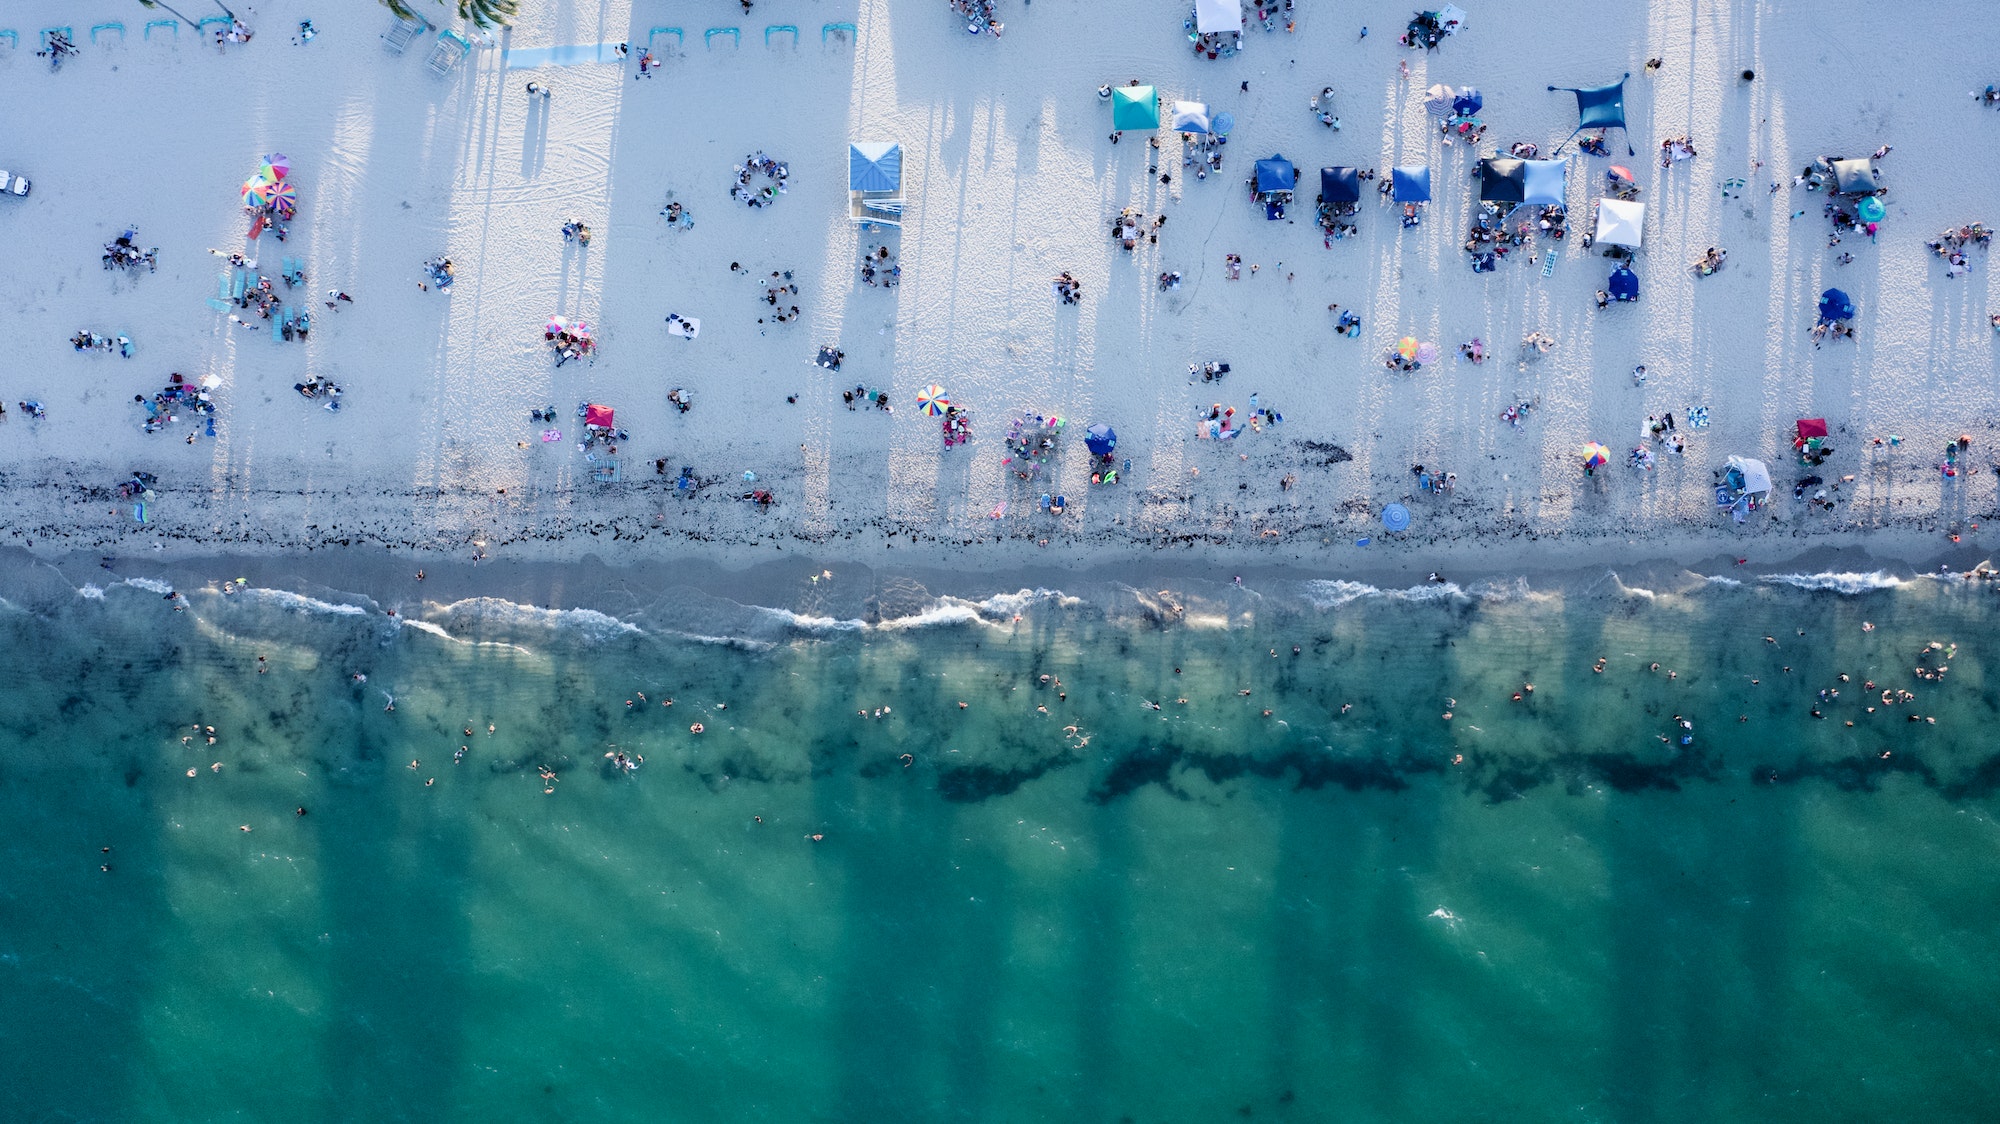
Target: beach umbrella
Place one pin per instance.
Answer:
(1620, 172)
(257, 191)
(1190, 117)
(1223, 123)
(1871, 209)
(284, 197)
(555, 324)
(1427, 353)
(1468, 102)
(1835, 305)
(276, 166)
(1437, 100)
(1100, 439)
(1135, 107)
(931, 400)
(1407, 347)
(1595, 454)
(1396, 517)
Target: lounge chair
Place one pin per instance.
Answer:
(708, 37)
(114, 25)
(828, 29)
(781, 27)
(653, 36)
(397, 39)
(12, 37)
(450, 48)
(221, 24)
(171, 25)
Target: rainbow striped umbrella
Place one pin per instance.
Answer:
(284, 198)
(931, 400)
(1595, 454)
(257, 191)
(276, 166)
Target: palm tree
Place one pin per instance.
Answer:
(157, 4)
(482, 14)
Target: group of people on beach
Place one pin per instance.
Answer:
(880, 268)
(1952, 244)
(123, 252)
(754, 165)
(980, 16)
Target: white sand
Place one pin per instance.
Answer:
(1011, 179)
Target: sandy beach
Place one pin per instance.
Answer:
(1010, 179)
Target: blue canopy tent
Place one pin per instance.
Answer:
(1410, 184)
(1623, 285)
(1600, 107)
(1100, 439)
(1276, 174)
(875, 182)
(1502, 180)
(1835, 305)
(1339, 185)
(1543, 182)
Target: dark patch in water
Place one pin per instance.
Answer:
(970, 784)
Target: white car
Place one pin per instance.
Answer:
(12, 184)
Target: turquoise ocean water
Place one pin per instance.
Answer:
(1053, 903)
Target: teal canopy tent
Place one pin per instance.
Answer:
(1599, 107)
(1135, 107)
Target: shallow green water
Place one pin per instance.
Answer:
(1199, 912)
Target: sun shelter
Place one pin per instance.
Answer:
(1748, 476)
(1543, 182)
(599, 416)
(1213, 17)
(1835, 305)
(1276, 175)
(875, 182)
(1135, 107)
(1600, 107)
(1623, 284)
(1190, 117)
(1810, 428)
(1339, 185)
(1854, 177)
(1410, 184)
(1502, 180)
(1620, 222)
(1100, 439)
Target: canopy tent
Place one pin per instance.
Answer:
(1502, 180)
(1189, 117)
(1100, 439)
(1217, 16)
(596, 415)
(1600, 107)
(1276, 174)
(1135, 107)
(1835, 305)
(1623, 285)
(1810, 428)
(1620, 222)
(1410, 184)
(1543, 182)
(1339, 185)
(1854, 177)
(1748, 475)
(875, 182)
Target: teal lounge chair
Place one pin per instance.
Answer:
(708, 37)
(171, 25)
(653, 35)
(781, 27)
(829, 29)
(112, 26)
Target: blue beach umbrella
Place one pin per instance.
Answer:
(1396, 517)
(1223, 123)
(1468, 102)
(1835, 305)
(1100, 439)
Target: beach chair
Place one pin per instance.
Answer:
(221, 24)
(114, 25)
(278, 326)
(238, 281)
(828, 29)
(12, 37)
(653, 35)
(708, 37)
(171, 25)
(450, 48)
(397, 39)
(781, 27)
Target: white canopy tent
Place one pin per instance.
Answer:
(1756, 478)
(1620, 222)
(1189, 117)
(1212, 16)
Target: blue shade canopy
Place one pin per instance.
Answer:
(1396, 517)
(1100, 439)
(874, 166)
(1624, 284)
(1468, 102)
(1502, 179)
(1599, 107)
(1835, 305)
(1190, 117)
(1410, 184)
(1339, 185)
(1543, 182)
(1853, 177)
(1276, 174)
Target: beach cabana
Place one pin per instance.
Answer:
(1135, 107)
(1410, 184)
(1599, 107)
(875, 182)
(1339, 185)
(1213, 17)
(1543, 182)
(1835, 305)
(1502, 179)
(1620, 222)
(1190, 117)
(1854, 177)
